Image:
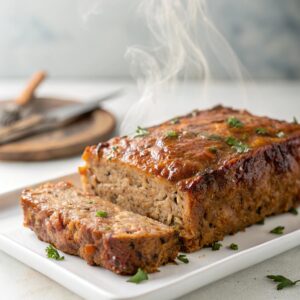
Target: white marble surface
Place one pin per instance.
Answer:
(18, 281)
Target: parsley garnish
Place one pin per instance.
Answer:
(172, 134)
(282, 281)
(237, 145)
(216, 246)
(280, 134)
(101, 214)
(53, 253)
(183, 258)
(213, 150)
(235, 123)
(114, 148)
(293, 211)
(141, 132)
(175, 121)
(139, 276)
(261, 131)
(277, 230)
(295, 121)
(234, 247)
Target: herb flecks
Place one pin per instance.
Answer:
(183, 258)
(172, 134)
(237, 145)
(140, 132)
(293, 211)
(235, 122)
(175, 121)
(234, 247)
(277, 230)
(138, 277)
(215, 137)
(282, 281)
(101, 214)
(216, 246)
(280, 134)
(261, 131)
(213, 150)
(53, 253)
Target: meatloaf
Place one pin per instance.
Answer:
(100, 232)
(208, 174)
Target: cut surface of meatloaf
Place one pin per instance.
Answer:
(119, 241)
(208, 174)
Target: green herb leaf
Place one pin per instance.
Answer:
(234, 247)
(101, 214)
(215, 137)
(295, 121)
(280, 134)
(261, 131)
(175, 121)
(213, 150)
(277, 230)
(235, 123)
(140, 132)
(114, 148)
(216, 246)
(262, 222)
(237, 145)
(172, 134)
(183, 258)
(53, 253)
(293, 211)
(138, 277)
(283, 281)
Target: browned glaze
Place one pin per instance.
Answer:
(191, 145)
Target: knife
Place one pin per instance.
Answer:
(51, 120)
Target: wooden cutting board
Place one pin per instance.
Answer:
(64, 142)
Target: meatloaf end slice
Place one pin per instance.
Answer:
(100, 232)
(208, 174)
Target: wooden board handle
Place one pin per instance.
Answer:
(32, 85)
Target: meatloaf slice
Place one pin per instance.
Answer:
(208, 174)
(100, 232)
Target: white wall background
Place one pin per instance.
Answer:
(56, 35)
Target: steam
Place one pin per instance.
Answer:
(186, 45)
(88, 8)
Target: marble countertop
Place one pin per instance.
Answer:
(278, 99)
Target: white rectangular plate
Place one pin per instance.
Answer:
(255, 245)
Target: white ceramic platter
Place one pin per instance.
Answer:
(255, 245)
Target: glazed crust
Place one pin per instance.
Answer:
(121, 242)
(224, 190)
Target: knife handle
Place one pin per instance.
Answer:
(20, 127)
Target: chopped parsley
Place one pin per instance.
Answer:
(172, 134)
(293, 211)
(234, 247)
(216, 246)
(138, 277)
(140, 132)
(280, 134)
(183, 258)
(295, 121)
(213, 150)
(114, 148)
(235, 123)
(175, 121)
(277, 230)
(101, 214)
(262, 222)
(282, 281)
(215, 137)
(53, 253)
(261, 131)
(237, 145)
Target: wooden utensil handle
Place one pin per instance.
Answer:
(28, 92)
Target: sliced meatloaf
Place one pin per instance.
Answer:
(208, 174)
(100, 232)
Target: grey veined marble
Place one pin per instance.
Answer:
(88, 38)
